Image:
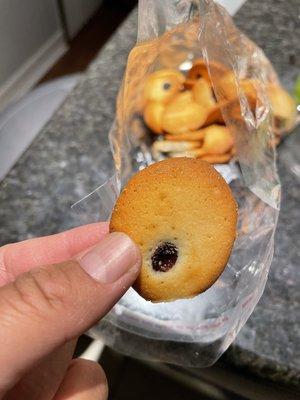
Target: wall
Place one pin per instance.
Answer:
(30, 37)
(78, 12)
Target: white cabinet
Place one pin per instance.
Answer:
(31, 40)
(78, 12)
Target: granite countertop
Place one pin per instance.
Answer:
(71, 156)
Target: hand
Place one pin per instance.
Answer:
(52, 290)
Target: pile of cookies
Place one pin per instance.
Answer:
(186, 119)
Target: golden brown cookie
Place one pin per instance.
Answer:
(199, 70)
(182, 215)
(153, 116)
(228, 88)
(217, 158)
(187, 136)
(184, 97)
(203, 93)
(180, 117)
(198, 153)
(166, 146)
(230, 108)
(161, 86)
(283, 107)
(215, 115)
(217, 140)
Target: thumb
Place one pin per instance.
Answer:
(48, 306)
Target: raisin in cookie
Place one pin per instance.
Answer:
(183, 216)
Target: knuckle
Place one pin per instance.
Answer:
(100, 379)
(5, 274)
(43, 289)
(96, 371)
(53, 284)
(95, 374)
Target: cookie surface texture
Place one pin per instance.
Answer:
(182, 215)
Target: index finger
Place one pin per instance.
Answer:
(18, 258)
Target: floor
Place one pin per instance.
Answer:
(88, 42)
(131, 379)
(137, 377)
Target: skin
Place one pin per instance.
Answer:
(44, 309)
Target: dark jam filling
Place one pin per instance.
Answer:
(164, 257)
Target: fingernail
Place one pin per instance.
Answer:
(113, 257)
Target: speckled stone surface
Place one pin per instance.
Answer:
(269, 344)
(70, 157)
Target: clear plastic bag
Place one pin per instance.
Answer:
(195, 331)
